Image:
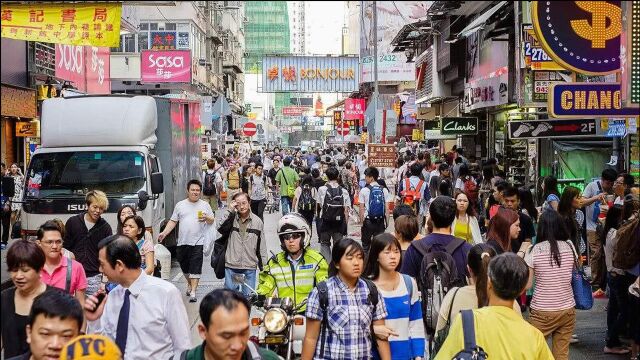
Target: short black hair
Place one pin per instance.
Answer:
(287, 161)
(609, 174)
(228, 299)
(442, 211)
(501, 185)
(509, 275)
(340, 249)
(194, 182)
(510, 191)
(627, 179)
(315, 172)
(373, 172)
(403, 209)
(49, 225)
(416, 169)
(332, 173)
(120, 247)
(56, 303)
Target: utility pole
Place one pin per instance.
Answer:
(375, 66)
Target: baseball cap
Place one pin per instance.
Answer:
(91, 347)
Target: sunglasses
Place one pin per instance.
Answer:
(291, 236)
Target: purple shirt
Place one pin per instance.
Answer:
(412, 260)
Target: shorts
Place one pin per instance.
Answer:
(190, 258)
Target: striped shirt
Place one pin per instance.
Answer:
(553, 290)
(405, 317)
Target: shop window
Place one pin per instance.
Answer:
(143, 41)
(144, 26)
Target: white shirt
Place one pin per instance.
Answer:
(191, 231)
(363, 197)
(322, 192)
(158, 322)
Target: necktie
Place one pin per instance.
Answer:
(123, 323)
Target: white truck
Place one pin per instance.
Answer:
(139, 150)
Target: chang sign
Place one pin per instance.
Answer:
(309, 74)
(579, 100)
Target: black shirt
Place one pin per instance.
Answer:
(83, 243)
(13, 326)
(496, 246)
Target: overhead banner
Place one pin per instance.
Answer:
(583, 36)
(551, 128)
(167, 66)
(459, 126)
(309, 74)
(382, 155)
(575, 100)
(96, 24)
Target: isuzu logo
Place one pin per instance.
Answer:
(77, 207)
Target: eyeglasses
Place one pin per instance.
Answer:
(51, 242)
(287, 237)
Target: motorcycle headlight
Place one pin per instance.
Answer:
(275, 320)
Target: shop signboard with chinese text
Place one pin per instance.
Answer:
(354, 109)
(582, 36)
(95, 24)
(459, 126)
(534, 55)
(18, 102)
(489, 91)
(163, 40)
(165, 66)
(537, 129)
(309, 74)
(87, 67)
(541, 82)
(579, 100)
(294, 110)
(337, 117)
(382, 155)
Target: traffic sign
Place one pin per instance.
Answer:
(249, 129)
(342, 128)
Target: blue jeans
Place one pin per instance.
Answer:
(249, 279)
(286, 205)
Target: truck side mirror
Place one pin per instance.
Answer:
(8, 186)
(143, 198)
(157, 183)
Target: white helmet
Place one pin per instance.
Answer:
(293, 223)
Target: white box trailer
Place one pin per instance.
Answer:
(139, 150)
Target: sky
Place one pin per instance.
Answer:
(325, 20)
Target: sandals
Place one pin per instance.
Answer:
(616, 350)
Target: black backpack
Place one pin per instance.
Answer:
(323, 299)
(438, 275)
(306, 202)
(333, 207)
(209, 186)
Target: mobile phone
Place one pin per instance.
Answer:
(100, 297)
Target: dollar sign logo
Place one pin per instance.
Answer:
(598, 32)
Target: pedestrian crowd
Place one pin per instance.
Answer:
(452, 261)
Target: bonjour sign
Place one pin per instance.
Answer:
(459, 126)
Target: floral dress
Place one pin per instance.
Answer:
(18, 180)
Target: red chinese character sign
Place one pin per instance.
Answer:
(169, 66)
(87, 67)
(354, 109)
(96, 24)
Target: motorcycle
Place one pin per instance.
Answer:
(279, 326)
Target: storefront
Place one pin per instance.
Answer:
(19, 124)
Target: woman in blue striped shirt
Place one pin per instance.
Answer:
(401, 298)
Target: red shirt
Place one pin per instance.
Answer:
(58, 277)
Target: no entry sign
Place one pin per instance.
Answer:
(342, 128)
(249, 129)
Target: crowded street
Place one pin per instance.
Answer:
(332, 180)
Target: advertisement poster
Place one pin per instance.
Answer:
(173, 66)
(87, 67)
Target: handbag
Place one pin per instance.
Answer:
(580, 284)
(442, 334)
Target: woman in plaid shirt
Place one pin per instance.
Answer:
(349, 312)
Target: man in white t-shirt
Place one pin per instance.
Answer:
(372, 224)
(193, 215)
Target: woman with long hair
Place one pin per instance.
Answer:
(527, 204)
(349, 314)
(133, 228)
(618, 308)
(124, 212)
(465, 225)
(401, 297)
(503, 228)
(551, 261)
(550, 193)
(568, 208)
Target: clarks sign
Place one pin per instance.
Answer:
(459, 126)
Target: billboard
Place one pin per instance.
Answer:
(87, 67)
(392, 16)
(309, 74)
(168, 66)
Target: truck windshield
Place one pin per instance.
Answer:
(75, 173)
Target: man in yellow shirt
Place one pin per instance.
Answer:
(500, 331)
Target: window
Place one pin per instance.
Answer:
(169, 26)
(144, 26)
(153, 26)
(143, 41)
(129, 43)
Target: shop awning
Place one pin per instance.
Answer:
(480, 21)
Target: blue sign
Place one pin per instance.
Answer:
(310, 74)
(617, 128)
(580, 100)
(583, 36)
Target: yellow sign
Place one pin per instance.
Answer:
(417, 135)
(252, 116)
(97, 24)
(28, 129)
